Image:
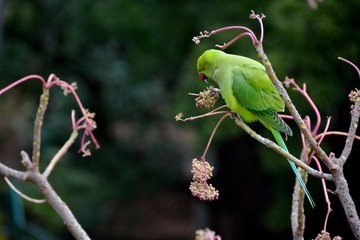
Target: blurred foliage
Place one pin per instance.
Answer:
(134, 63)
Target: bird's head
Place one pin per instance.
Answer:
(206, 65)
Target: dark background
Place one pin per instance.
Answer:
(134, 63)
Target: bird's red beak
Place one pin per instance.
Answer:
(202, 77)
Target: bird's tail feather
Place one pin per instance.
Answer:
(280, 141)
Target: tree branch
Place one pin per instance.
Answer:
(342, 189)
(9, 172)
(297, 206)
(55, 201)
(355, 114)
(33, 200)
(32, 173)
(270, 144)
(44, 100)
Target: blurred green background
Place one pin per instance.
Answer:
(134, 63)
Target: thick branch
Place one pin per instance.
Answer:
(297, 213)
(12, 173)
(297, 206)
(342, 189)
(55, 201)
(355, 113)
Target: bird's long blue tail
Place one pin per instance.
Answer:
(280, 141)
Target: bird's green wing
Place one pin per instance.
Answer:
(253, 89)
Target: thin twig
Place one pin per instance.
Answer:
(44, 101)
(352, 64)
(213, 134)
(321, 138)
(22, 195)
(334, 133)
(327, 200)
(22, 80)
(212, 113)
(303, 92)
(60, 153)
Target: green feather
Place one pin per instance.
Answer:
(282, 144)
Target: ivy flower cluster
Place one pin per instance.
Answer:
(199, 187)
(206, 234)
(353, 95)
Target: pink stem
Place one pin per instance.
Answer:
(247, 30)
(21, 81)
(213, 134)
(312, 104)
(322, 136)
(222, 47)
(327, 200)
(353, 65)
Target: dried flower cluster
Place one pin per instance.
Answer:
(353, 95)
(203, 34)
(207, 98)
(326, 236)
(253, 15)
(202, 171)
(206, 234)
(66, 89)
(179, 117)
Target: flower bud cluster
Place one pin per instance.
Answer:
(202, 171)
(206, 234)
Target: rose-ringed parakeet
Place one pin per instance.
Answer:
(248, 91)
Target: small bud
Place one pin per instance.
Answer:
(326, 236)
(202, 35)
(253, 15)
(84, 149)
(203, 191)
(353, 95)
(179, 117)
(201, 170)
(206, 234)
(66, 89)
(196, 40)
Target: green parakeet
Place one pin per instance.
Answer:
(248, 91)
